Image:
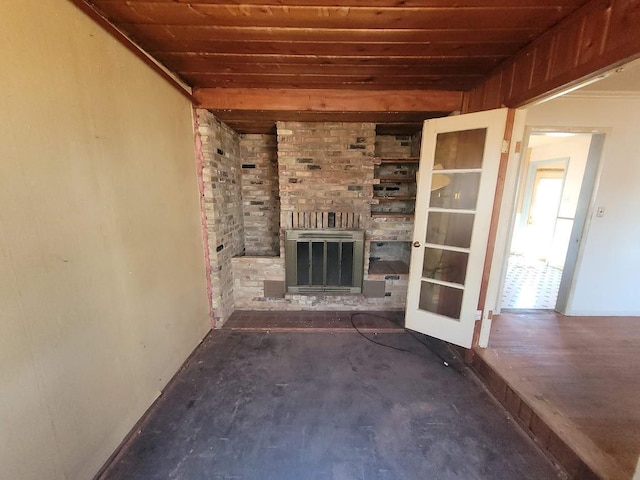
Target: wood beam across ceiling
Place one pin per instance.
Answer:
(328, 100)
(256, 110)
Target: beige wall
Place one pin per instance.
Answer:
(102, 279)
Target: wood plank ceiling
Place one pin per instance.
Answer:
(418, 47)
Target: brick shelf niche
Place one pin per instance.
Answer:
(393, 204)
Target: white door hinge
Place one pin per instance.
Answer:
(505, 146)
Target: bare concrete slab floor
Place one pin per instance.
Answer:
(326, 406)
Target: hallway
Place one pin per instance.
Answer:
(328, 406)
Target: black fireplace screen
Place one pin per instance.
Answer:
(324, 261)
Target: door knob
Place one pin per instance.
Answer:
(416, 244)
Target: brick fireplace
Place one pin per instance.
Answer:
(312, 177)
(324, 261)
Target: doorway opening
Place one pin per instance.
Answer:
(555, 187)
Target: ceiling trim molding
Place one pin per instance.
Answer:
(608, 94)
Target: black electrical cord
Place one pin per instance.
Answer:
(353, 324)
(434, 353)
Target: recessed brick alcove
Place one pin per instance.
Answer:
(309, 175)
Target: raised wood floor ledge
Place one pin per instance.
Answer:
(547, 434)
(580, 376)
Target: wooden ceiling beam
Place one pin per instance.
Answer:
(172, 13)
(265, 122)
(372, 3)
(214, 33)
(423, 49)
(269, 127)
(328, 100)
(252, 116)
(197, 65)
(217, 60)
(369, 82)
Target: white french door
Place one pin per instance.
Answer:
(459, 163)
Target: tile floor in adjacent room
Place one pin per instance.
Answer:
(327, 406)
(530, 284)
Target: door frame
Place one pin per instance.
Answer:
(506, 221)
(530, 186)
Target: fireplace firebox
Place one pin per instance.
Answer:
(324, 261)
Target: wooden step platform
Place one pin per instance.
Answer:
(572, 383)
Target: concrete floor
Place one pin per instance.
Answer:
(326, 406)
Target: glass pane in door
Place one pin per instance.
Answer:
(461, 149)
(453, 229)
(461, 191)
(453, 191)
(445, 265)
(441, 299)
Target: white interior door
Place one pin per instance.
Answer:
(459, 164)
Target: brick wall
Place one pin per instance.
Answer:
(416, 143)
(250, 198)
(325, 167)
(322, 168)
(260, 199)
(390, 229)
(249, 274)
(390, 251)
(393, 146)
(223, 207)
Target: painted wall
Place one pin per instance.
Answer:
(102, 284)
(608, 266)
